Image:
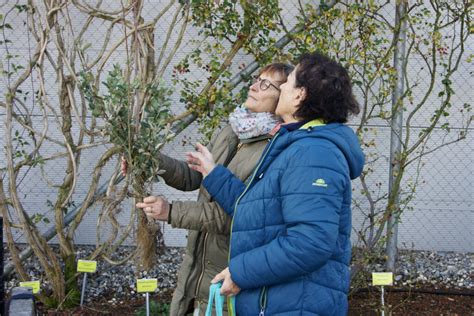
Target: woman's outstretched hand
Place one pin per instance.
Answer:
(156, 207)
(201, 160)
(228, 288)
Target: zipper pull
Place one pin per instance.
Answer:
(263, 301)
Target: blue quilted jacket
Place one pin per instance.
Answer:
(290, 243)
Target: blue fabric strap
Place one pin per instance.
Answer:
(215, 294)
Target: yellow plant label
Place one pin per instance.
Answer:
(35, 285)
(88, 266)
(382, 278)
(147, 285)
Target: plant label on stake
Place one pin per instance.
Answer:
(382, 279)
(35, 285)
(147, 286)
(85, 266)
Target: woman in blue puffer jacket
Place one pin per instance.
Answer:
(290, 243)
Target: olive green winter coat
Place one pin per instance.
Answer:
(208, 225)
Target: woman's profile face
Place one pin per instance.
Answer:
(290, 98)
(264, 92)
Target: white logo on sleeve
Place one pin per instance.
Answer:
(320, 183)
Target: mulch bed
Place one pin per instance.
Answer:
(406, 301)
(366, 302)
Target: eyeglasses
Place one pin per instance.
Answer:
(264, 83)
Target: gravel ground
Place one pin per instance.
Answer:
(113, 282)
(441, 269)
(447, 269)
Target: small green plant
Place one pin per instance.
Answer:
(135, 113)
(156, 308)
(139, 134)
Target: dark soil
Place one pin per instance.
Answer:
(413, 302)
(103, 307)
(397, 302)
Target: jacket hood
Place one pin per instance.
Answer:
(343, 137)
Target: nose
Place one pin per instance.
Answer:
(254, 86)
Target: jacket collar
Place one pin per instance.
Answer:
(306, 124)
(313, 123)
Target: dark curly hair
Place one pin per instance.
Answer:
(328, 89)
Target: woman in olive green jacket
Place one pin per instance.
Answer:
(238, 146)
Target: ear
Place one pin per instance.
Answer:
(302, 93)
